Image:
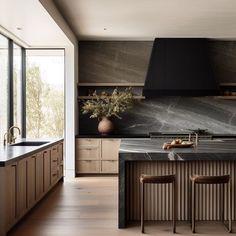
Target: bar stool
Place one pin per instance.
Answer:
(200, 179)
(150, 179)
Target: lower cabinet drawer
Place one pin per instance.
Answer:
(88, 154)
(109, 166)
(54, 164)
(88, 166)
(88, 142)
(60, 171)
(54, 176)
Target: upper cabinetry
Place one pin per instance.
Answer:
(125, 63)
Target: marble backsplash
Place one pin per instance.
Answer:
(172, 114)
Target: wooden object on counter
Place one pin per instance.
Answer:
(209, 180)
(153, 179)
(25, 182)
(177, 144)
(94, 155)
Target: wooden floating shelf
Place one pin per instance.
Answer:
(110, 84)
(91, 97)
(131, 84)
(227, 97)
(228, 84)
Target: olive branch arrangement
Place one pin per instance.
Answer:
(108, 105)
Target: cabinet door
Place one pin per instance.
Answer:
(10, 195)
(88, 142)
(31, 180)
(21, 187)
(88, 153)
(39, 175)
(110, 166)
(88, 166)
(60, 152)
(47, 170)
(54, 164)
(110, 149)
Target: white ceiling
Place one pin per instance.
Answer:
(38, 28)
(147, 19)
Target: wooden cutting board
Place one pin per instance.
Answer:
(187, 144)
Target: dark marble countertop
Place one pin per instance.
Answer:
(151, 149)
(118, 136)
(9, 154)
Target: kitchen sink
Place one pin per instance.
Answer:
(30, 143)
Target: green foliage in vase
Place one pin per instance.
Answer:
(105, 105)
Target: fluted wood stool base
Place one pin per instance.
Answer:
(150, 179)
(200, 179)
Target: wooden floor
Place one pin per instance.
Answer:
(87, 206)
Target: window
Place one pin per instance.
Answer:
(44, 93)
(4, 101)
(17, 85)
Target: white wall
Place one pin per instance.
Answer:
(71, 79)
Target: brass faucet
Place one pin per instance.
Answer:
(9, 137)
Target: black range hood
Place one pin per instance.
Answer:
(180, 67)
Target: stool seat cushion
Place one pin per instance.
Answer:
(157, 179)
(203, 179)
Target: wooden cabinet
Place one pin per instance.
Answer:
(47, 170)
(26, 181)
(97, 155)
(21, 188)
(110, 149)
(61, 160)
(56, 162)
(88, 166)
(39, 175)
(110, 166)
(31, 181)
(10, 189)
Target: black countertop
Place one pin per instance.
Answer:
(147, 135)
(119, 136)
(9, 154)
(151, 149)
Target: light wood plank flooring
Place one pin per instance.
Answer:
(87, 206)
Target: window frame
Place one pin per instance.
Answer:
(10, 104)
(24, 84)
(10, 88)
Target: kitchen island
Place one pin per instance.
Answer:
(146, 156)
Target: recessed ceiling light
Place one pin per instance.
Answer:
(19, 28)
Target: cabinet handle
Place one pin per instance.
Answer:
(54, 149)
(54, 174)
(89, 149)
(14, 165)
(33, 157)
(54, 160)
(45, 152)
